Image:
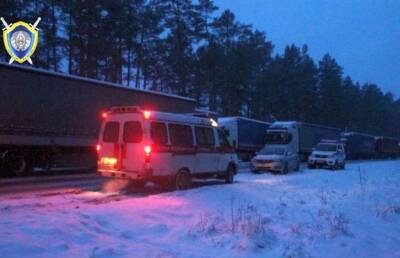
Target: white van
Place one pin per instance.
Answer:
(165, 148)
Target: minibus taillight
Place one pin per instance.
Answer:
(147, 153)
(146, 114)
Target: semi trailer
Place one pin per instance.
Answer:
(299, 137)
(51, 121)
(246, 135)
(358, 145)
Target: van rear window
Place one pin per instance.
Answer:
(159, 133)
(111, 132)
(133, 132)
(180, 135)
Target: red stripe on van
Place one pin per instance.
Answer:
(189, 150)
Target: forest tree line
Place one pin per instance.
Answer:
(193, 49)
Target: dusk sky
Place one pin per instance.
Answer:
(362, 35)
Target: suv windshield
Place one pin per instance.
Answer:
(270, 151)
(326, 147)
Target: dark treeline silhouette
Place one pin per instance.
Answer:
(188, 48)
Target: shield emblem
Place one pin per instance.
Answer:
(20, 40)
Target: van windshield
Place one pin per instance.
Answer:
(326, 147)
(271, 151)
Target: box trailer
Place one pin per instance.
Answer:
(246, 135)
(51, 120)
(300, 137)
(358, 145)
(387, 147)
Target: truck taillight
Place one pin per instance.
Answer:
(104, 115)
(147, 153)
(98, 148)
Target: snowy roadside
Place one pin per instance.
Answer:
(319, 213)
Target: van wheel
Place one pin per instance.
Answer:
(183, 180)
(230, 174)
(335, 166)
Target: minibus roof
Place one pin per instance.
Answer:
(163, 116)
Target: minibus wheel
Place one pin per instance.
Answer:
(183, 180)
(230, 174)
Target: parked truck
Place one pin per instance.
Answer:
(246, 135)
(299, 137)
(387, 147)
(51, 121)
(358, 145)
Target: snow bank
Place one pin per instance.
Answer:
(318, 213)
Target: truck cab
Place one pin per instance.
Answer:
(283, 134)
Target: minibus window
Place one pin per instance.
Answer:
(111, 132)
(222, 139)
(204, 136)
(180, 135)
(133, 132)
(159, 133)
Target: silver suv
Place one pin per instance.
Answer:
(328, 154)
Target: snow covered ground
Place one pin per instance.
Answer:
(318, 213)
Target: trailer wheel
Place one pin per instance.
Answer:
(16, 164)
(285, 169)
(183, 180)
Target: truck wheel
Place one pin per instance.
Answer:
(297, 168)
(183, 180)
(16, 164)
(230, 174)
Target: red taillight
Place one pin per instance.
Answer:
(104, 115)
(98, 147)
(146, 114)
(147, 152)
